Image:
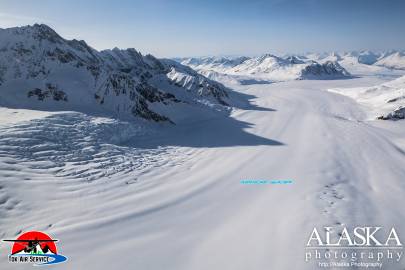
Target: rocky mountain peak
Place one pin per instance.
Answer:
(41, 70)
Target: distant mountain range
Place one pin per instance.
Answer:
(390, 59)
(366, 57)
(41, 70)
(291, 67)
(268, 67)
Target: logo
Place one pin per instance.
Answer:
(356, 247)
(36, 248)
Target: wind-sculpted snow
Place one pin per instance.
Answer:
(41, 70)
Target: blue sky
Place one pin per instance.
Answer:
(168, 28)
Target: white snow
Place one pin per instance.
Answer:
(381, 100)
(171, 197)
(264, 69)
(41, 70)
(395, 61)
(365, 63)
(130, 193)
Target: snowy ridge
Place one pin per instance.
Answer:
(394, 61)
(265, 68)
(41, 70)
(364, 62)
(385, 101)
(192, 81)
(270, 67)
(217, 63)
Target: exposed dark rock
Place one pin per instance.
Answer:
(121, 80)
(328, 69)
(397, 114)
(50, 91)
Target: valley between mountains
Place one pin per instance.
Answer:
(172, 193)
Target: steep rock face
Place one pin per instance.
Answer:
(192, 81)
(213, 62)
(50, 91)
(294, 60)
(177, 79)
(396, 114)
(328, 69)
(41, 70)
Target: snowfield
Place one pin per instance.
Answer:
(385, 101)
(157, 196)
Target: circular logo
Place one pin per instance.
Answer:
(34, 243)
(35, 247)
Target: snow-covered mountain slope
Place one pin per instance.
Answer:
(264, 64)
(185, 77)
(41, 70)
(213, 63)
(395, 60)
(365, 62)
(333, 56)
(368, 57)
(385, 101)
(265, 68)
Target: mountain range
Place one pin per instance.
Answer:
(390, 59)
(269, 67)
(41, 70)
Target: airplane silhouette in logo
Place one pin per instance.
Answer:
(30, 245)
